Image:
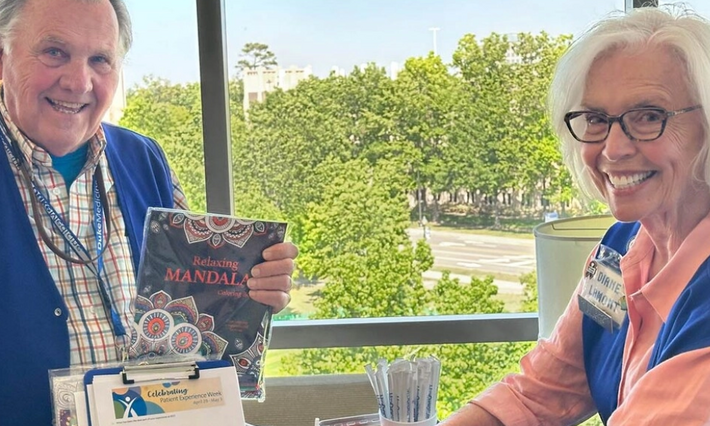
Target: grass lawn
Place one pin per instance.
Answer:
(525, 234)
(302, 298)
(513, 302)
(273, 361)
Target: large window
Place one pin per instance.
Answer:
(370, 125)
(406, 142)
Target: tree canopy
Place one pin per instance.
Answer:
(255, 55)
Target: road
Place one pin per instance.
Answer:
(469, 254)
(480, 253)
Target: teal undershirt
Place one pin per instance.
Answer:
(71, 164)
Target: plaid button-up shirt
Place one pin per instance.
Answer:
(92, 339)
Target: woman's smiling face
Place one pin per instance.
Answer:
(653, 179)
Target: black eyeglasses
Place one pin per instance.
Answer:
(639, 124)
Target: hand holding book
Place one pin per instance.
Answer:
(270, 281)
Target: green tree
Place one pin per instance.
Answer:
(172, 115)
(541, 171)
(278, 150)
(255, 55)
(504, 138)
(529, 282)
(485, 140)
(469, 369)
(424, 114)
(287, 137)
(355, 241)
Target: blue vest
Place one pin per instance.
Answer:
(35, 337)
(686, 329)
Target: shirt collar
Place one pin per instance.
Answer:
(663, 290)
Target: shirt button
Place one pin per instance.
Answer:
(57, 191)
(57, 312)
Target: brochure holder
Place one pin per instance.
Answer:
(173, 371)
(175, 393)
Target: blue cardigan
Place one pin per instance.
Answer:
(687, 328)
(34, 316)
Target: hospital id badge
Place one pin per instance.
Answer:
(603, 298)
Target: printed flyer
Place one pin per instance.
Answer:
(214, 397)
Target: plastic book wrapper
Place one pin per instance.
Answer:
(66, 384)
(192, 298)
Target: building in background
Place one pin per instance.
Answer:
(260, 81)
(394, 70)
(510, 56)
(337, 71)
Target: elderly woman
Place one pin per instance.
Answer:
(629, 102)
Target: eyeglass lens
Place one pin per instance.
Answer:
(642, 124)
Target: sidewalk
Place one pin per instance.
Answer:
(430, 278)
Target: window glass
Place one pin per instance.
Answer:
(161, 87)
(406, 143)
(380, 131)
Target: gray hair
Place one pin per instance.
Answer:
(684, 32)
(10, 10)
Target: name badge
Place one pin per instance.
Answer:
(603, 298)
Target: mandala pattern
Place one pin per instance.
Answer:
(164, 326)
(185, 340)
(248, 365)
(156, 324)
(203, 249)
(184, 310)
(216, 231)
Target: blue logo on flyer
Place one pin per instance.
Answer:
(131, 404)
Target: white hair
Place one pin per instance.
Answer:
(684, 32)
(10, 12)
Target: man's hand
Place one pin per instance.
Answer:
(270, 281)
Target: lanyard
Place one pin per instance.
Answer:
(99, 199)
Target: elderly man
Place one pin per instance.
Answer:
(75, 194)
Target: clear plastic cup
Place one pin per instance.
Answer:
(428, 422)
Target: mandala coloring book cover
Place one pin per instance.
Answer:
(192, 295)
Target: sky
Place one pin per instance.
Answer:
(344, 33)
